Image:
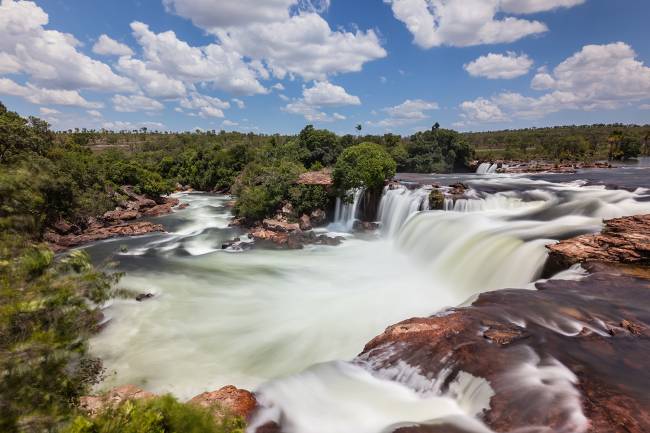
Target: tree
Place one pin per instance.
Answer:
(366, 165)
(359, 128)
(323, 146)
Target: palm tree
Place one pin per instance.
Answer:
(359, 128)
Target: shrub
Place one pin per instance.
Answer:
(306, 198)
(47, 314)
(365, 165)
(157, 415)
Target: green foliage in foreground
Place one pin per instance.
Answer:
(366, 165)
(262, 188)
(157, 415)
(47, 314)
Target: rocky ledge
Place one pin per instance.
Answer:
(122, 221)
(228, 400)
(540, 166)
(290, 235)
(622, 240)
(571, 356)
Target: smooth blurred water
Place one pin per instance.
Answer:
(268, 319)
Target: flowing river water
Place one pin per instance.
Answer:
(286, 323)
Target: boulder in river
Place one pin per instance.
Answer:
(623, 240)
(228, 399)
(571, 356)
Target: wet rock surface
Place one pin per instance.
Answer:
(622, 240)
(225, 401)
(119, 222)
(571, 356)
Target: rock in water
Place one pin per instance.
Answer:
(569, 357)
(93, 405)
(623, 240)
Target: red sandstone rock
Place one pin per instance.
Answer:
(305, 223)
(322, 177)
(624, 240)
(597, 328)
(280, 226)
(93, 405)
(121, 215)
(61, 243)
(228, 399)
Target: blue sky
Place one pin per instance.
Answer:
(276, 65)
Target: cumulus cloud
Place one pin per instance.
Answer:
(40, 96)
(322, 94)
(110, 47)
(50, 58)
(239, 103)
(500, 66)
(471, 22)
(45, 111)
(134, 103)
(210, 14)
(225, 70)
(130, 126)
(154, 83)
(597, 77)
(407, 112)
(205, 106)
(534, 6)
(303, 45)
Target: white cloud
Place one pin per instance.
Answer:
(129, 126)
(407, 112)
(41, 96)
(533, 6)
(94, 113)
(499, 66)
(154, 83)
(644, 106)
(278, 86)
(48, 111)
(482, 110)
(321, 94)
(224, 69)
(228, 123)
(210, 14)
(596, 77)
(206, 106)
(110, 47)
(283, 97)
(324, 93)
(49, 57)
(134, 103)
(468, 22)
(303, 45)
(239, 103)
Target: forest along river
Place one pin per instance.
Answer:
(284, 323)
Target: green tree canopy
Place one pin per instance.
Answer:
(366, 165)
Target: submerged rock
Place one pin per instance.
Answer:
(571, 356)
(623, 240)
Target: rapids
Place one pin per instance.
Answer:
(285, 322)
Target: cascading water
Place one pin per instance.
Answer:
(280, 321)
(345, 213)
(487, 168)
(398, 204)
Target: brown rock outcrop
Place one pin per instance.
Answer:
(228, 399)
(622, 240)
(280, 226)
(594, 334)
(60, 243)
(93, 405)
(321, 177)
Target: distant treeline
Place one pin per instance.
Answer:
(600, 141)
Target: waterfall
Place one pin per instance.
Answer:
(345, 214)
(487, 168)
(398, 204)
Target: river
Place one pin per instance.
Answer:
(286, 323)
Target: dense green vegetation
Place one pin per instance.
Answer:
(366, 165)
(156, 415)
(582, 143)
